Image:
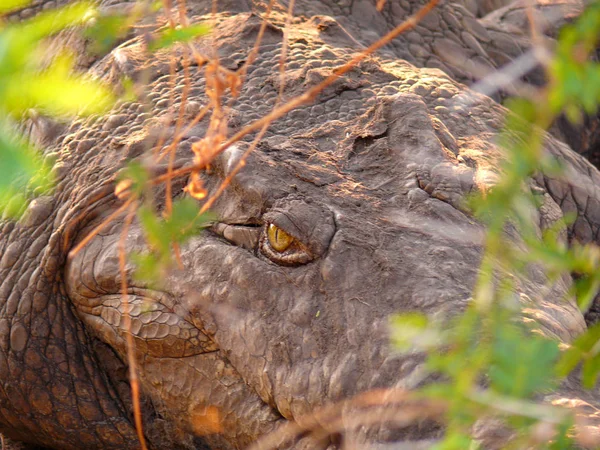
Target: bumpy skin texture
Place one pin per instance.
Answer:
(370, 179)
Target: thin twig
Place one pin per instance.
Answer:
(172, 65)
(72, 223)
(183, 19)
(173, 147)
(252, 55)
(507, 78)
(133, 378)
(99, 228)
(168, 5)
(533, 25)
(213, 15)
(179, 136)
(309, 95)
(329, 419)
(241, 163)
(283, 55)
(306, 97)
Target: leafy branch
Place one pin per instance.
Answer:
(488, 345)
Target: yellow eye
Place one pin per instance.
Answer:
(279, 239)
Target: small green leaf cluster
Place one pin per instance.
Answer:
(30, 78)
(493, 363)
(585, 350)
(162, 233)
(576, 78)
(183, 223)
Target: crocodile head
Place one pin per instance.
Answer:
(350, 209)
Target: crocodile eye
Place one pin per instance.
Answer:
(283, 248)
(280, 241)
(295, 232)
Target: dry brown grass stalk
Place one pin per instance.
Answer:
(133, 377)
(100, 227)
(306, 97)
(393, 406)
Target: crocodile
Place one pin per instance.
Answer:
(349, 209)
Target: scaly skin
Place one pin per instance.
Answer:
(369, 179)
(450, 38)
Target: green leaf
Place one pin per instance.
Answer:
(22, 172)
(185, 221)
(456, 441)
(563, 440)
(522, 363)
(590, 371)
(12, 204)
(51, 22)
(585, 348)
(412, 331)
(568, 361)
(106, 31)
(412, 320)
(56, 91)
(154, 230)
(20, 42)
(156, 6)
(586, 289)
(9, 5)
(170, 36)
(20, 161)
(148, 268)
(137, 177)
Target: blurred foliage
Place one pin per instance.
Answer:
(29, 78)
(162, 233)
(493, 364)
(575, 82)
(33, 76)
(170, 36)
(106, 30)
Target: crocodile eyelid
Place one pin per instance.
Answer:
(286, 250)
(244, 236)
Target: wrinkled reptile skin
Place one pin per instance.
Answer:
(370, 179)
